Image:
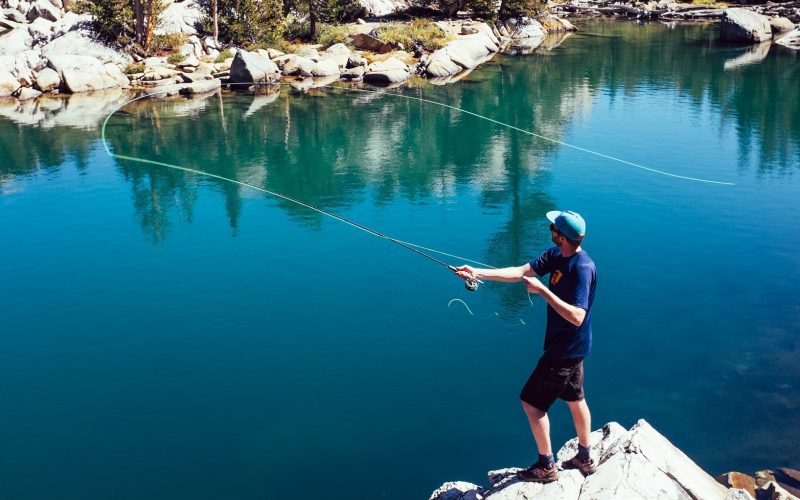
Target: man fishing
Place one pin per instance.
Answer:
(568, 338)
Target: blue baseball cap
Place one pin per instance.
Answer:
(570, 223)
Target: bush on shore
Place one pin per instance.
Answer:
(421, 31)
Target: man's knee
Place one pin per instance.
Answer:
(532, 410)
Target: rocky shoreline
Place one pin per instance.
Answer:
(45, 48)
(635, 463)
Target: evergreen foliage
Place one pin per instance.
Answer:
(245, 22)
(123, 21)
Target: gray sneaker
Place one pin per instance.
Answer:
(538, 474)
(586, 466)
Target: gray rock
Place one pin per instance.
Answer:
(12, 4)
(744, 26)
(47, 80)
(189, 62)
(646, 441)
(252, 68)
(43, 8)
(379, 8)
(356, 60)
(604, 442)
(81, 43)
(630, 475)
(15, 42)
(8, 84)
(356, 73)
(326, 67)
(469, 29)
(439, 65)
(40, 28)
(26, 93)
(780, 25)
(201, 87)
(14, 15)
(84, 73)
(738, 494)
(180, 17)
(790, 40)
(298, 66)
(362, 41)
(458, 490)
(524, 27)
(387, 72)
(338, 48)
(273, 53)
(773, 491)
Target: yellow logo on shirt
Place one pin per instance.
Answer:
(555, 277)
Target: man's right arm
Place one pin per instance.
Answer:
(506, 274)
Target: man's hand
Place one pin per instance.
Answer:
(533, 285)
(465, 272)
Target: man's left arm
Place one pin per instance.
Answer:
(574, 313)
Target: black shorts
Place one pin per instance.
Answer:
(553, 378)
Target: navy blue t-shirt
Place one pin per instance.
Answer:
(573, 280)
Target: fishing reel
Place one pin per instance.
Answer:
(471, 284)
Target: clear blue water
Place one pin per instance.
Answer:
(167, 335)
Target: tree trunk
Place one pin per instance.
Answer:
(312, 16)
(214, 16)
(138, 16)
(152, 17)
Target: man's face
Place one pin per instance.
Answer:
(555, 235)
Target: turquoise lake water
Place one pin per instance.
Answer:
(168, 335)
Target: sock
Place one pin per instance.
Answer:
(583, 453)
(546, 461)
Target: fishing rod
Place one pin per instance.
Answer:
(470, 283)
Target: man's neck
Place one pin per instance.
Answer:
(568, 251)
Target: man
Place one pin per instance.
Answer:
(568, 338)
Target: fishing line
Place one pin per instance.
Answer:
(539, 136)
(470, 283)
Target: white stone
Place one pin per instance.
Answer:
(43, 8)
(326, 67)
(379, 8)
(646, 441)
(26, 93)
(8, 84)
(81, 43)
(389, 71)
(14, 15)
(248, 67)
(201, 87)
(604, 442)
(738, 494)
(458, 490)
(40, 28)
(440, 65)
(47, 80)
(179, 17)
(297, 65)
(630, 475)
(744, 26)
(16, 41)
(790, 40)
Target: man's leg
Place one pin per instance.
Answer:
(540, 426)
(582, 419)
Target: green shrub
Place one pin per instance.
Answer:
(176, 58)
(245, 22)
(422, 31)
(169, 43)
(225, 54)
(328, 35)
(134, 68)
